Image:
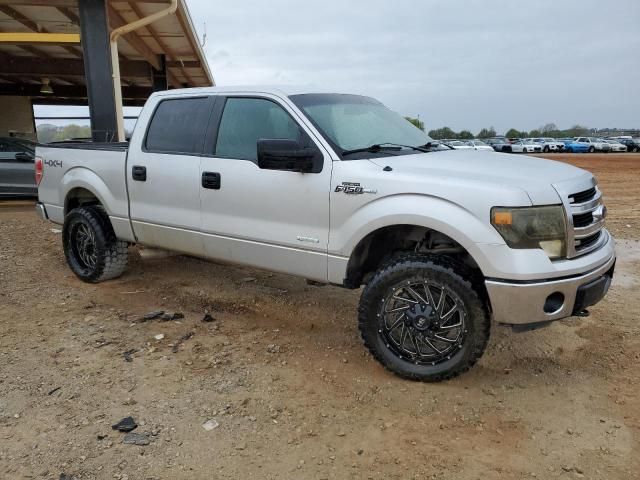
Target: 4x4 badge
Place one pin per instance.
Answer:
(351, 188)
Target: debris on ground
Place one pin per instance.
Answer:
(52, 391)
(159, 336)
(182, 339)
(152, 315)
(208, 318)
(128, 354)
(167, 317)
(248, 279)
(273, 348)
(136, 439)
(125, 425)
(210, 425)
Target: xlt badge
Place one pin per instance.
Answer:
(351, 188)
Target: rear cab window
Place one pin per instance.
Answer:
(178, 126)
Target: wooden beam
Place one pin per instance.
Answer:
(68, 91)
(59, 3)
(31, 25)
(28, 38)
(40, 3)
(70, 14)
(52, 67)
(33, 51)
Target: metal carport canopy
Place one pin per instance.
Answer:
(25, 59)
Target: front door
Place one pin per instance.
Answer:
(277, 220)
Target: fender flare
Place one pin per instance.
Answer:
(439, 214)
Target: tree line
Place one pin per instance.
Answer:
(548, 130)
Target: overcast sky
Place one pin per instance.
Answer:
(464, 64)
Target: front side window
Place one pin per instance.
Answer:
(9, 149)
(246, 120)
(178, 126)
(351, 122)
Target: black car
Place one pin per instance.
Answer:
(17, 168)
(633, 144)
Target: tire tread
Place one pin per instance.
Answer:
(457, 271)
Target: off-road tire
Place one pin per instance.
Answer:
(111, 254)
(454, 276)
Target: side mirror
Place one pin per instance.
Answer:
(286, 155)
(23, 157)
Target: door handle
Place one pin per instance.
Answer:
(139, 173)
(211, 180)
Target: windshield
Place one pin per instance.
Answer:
(350, 122)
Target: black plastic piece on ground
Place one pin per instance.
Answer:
(153, 315)
(208, 318)
(527, 327)
(125, 425)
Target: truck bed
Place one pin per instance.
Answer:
(79, 166)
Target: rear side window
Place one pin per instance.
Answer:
(247, 120)
(178, 126)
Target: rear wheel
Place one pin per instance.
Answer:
(90, 245)
(422, 319)
(592, 149)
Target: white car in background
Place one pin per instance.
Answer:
(548, 144)
(616, 146)
(525, 146)
(460, 145)
(479, 145)
(594, 144)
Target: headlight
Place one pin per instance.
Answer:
(532, 227)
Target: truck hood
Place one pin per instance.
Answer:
(535, 176)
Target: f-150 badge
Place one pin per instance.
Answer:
(351, 188)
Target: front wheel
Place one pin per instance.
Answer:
(90, 245)
(546, 149)
(592, 149)
(422, 319)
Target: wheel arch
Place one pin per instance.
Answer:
(81, 186)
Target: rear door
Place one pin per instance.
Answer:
(278, 220)
(17, 169)
(163, 173)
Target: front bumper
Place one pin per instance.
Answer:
(530, 302)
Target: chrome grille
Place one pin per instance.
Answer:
(585, 215)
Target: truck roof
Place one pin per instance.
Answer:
(281, 90)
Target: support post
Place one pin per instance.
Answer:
(96, 52)
(160, 76)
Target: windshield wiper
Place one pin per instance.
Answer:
(378, 147)
(428, 146)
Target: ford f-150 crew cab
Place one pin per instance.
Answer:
(339, 189)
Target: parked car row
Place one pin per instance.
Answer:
(570, 145)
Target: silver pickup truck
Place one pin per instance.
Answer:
(339, 189)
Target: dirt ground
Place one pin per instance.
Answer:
(282, 372)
